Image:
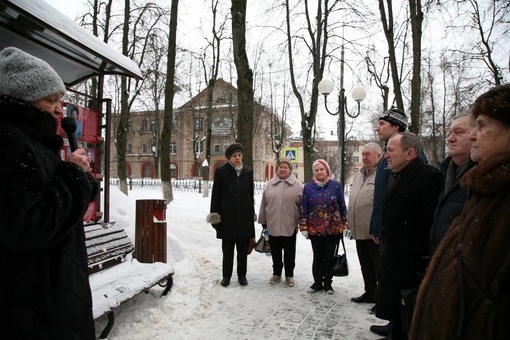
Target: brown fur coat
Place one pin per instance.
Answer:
(480, 237)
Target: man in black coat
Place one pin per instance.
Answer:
(44, 286)
(453, 197)
(232, 212)
(408, 207)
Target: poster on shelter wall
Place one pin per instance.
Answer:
(86, 122)
(89, 152)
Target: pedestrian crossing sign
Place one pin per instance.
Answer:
(291, 153)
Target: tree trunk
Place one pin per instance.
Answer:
(124, 109)
(169, 102)
(244, 80)
(387, 22)
(416, 15)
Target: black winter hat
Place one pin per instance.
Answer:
(395, 116)
(233, 148)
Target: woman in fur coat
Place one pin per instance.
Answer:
(465, 293)
(232, 212)
(44, 287)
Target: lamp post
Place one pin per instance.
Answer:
(358, 94)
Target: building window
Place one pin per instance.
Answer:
(173, 170)
(129, 148)
(145, 125)
(217, 147)
(226, 143)
(295, 166)
(356, 148)
(153, 125)
(217, 121)
(356, 159)
(173, 148)
(199, 124)
(144, 148)
(356, 170)
(199, 147)
(147, 170)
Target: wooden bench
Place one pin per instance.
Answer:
(115, 275)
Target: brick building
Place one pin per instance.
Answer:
(189, 136)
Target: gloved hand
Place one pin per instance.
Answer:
(305, 234)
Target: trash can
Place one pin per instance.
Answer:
(150, 233)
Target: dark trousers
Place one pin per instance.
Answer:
(287, 244)
(369, 259)
(323, 251)
(228, 256)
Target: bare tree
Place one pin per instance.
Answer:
(211, 75)
(381, 78)
(387, 20)
(169, 103)
(244, 80)
(416, 18)
(486, 19)
(316, 43)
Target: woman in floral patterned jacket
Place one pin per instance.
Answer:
(323, 218)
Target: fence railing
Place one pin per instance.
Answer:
(178, 184)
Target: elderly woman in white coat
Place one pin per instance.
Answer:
(279, 213)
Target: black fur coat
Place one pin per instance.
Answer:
(44, 285)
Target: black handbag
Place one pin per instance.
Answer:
(340, 266)
(407, 302)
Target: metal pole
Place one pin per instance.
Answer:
(341, 137)
(341, 117)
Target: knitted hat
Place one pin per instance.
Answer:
(284, 160)
(395, 116)
(323, 163)
(233, 148)
(494, 103)
(26, 77)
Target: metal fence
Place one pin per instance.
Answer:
(178, 184)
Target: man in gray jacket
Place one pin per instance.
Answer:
(361, 202)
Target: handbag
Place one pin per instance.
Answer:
(262, 245)
(407, 302)
(340, 266)
(251, 245)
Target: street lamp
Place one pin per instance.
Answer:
(358, 94)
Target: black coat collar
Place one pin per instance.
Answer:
(35, 122)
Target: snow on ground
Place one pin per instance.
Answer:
(198, 307)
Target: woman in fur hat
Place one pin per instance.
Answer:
(232, 212)
(44, 285)
(323, 218)
(279, 213)
(465, 293)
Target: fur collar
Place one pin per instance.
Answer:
(488, 178)
(289, 180)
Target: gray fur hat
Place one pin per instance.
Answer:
(26, 77)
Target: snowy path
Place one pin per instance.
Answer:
(198, 307)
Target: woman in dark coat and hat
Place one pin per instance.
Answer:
(465, 293)
(232, 212)
(44, 286)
